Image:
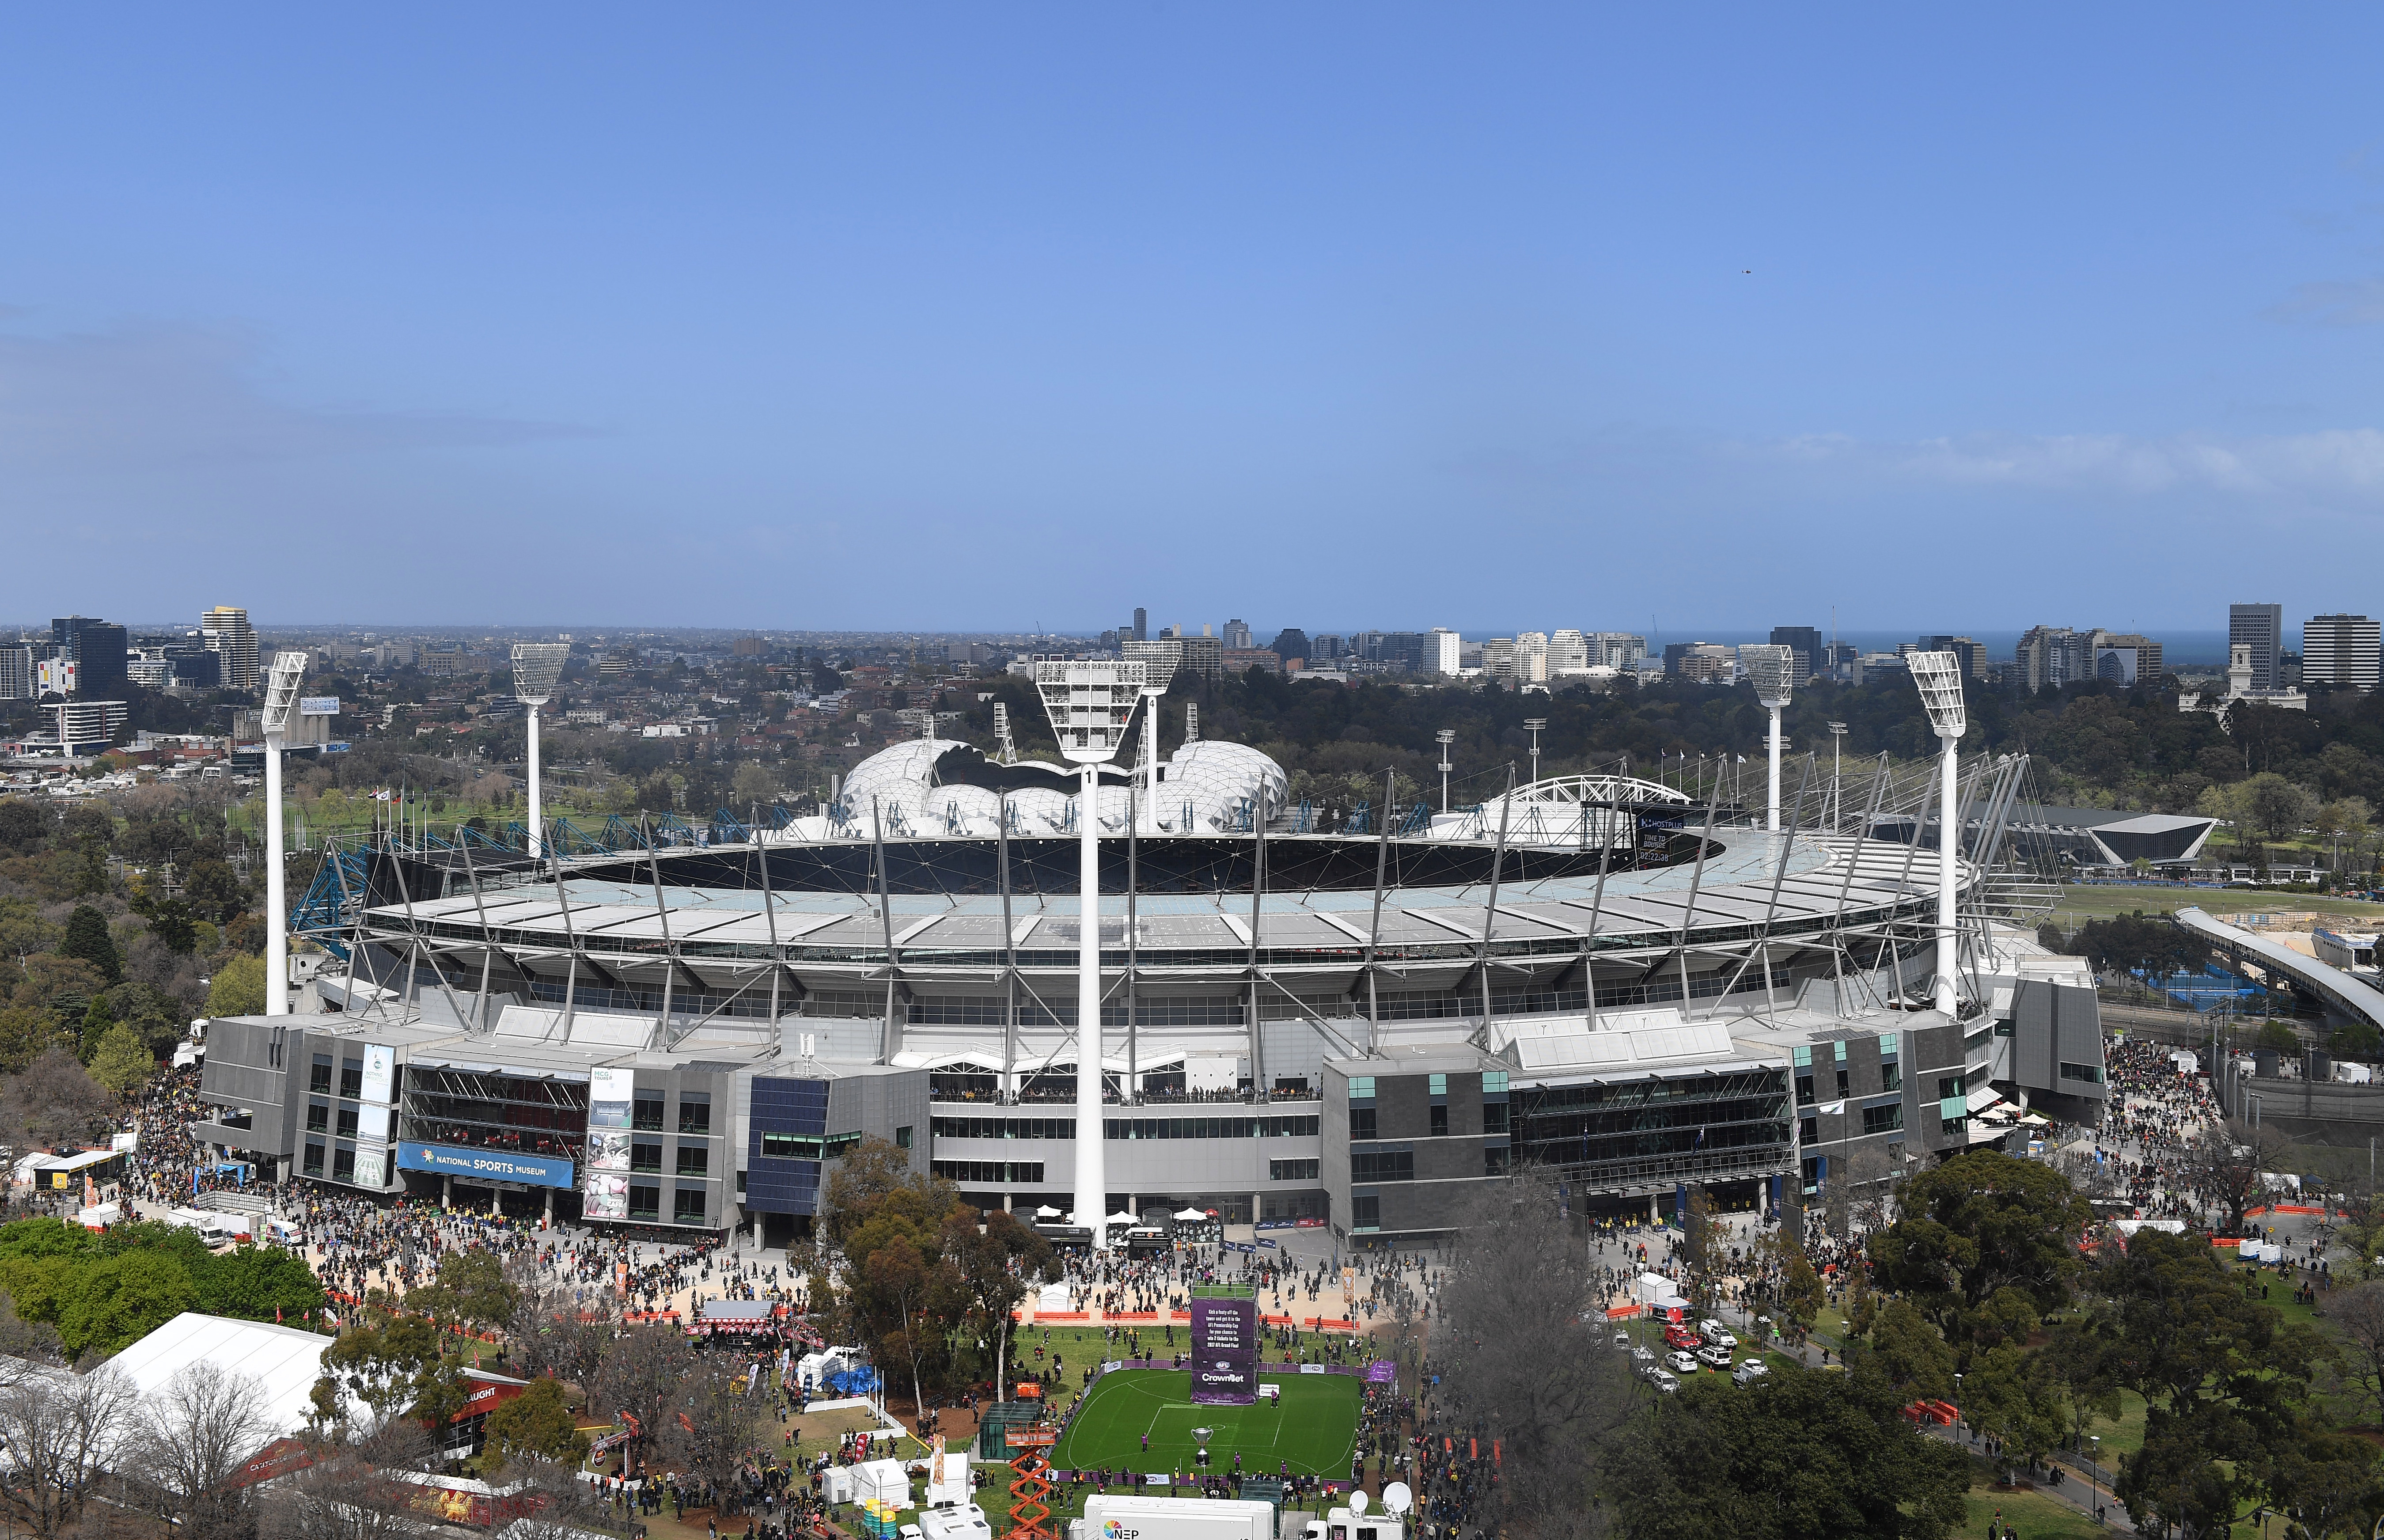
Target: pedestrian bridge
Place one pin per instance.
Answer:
(2346, 999)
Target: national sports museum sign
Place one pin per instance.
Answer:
(484, 1165)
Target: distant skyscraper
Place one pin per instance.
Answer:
(1237, 636)
(2341, 649)
(1141, 624)
(17, 661)
(230, 635)
(2262, 628)
(98, 651)
(1447, 651)
(1806, 642)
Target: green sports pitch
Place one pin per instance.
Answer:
(1314, 1426)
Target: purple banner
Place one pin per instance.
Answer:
(1224, 1351)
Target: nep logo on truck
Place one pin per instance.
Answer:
(1112, 1530)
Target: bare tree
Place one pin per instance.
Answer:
(640, 1377)
(711, 1424)
(56, 1430)
(2223, 1164)
(194, 1435)
(1520, 1343)
(2359, 1311)
(1871, 1189)
(551, 1332)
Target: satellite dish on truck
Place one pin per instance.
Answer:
(1396, 1498)
(1358, 1502)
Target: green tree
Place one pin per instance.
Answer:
(1799, 1453)
(87, 937)
(259, 1283)
(122, 1062)
(1977, 1225)
(538, 1422)
(388, 1368)
(471, 1289)
(119, 1300)
(170, 920)
(996, 1263)
(98, 1017)
(1911, 1354)
(238, 988)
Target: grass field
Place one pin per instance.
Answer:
(1314, 1426)
(2080, 902)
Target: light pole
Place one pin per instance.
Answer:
(1837, 748)
(1939, 677)
(537, 665)
(2094, 1478)
(1533, 725)
(1446, 736)
(1090, 704)
(1773, 670)
(281, 703)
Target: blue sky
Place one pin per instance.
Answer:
(995, 317)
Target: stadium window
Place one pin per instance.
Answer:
(1362, 1122)
(1494, 1159)
(1439, 1121)
(1382, 1165)
(2091, 1074)
(645, 1202)
(836, 1144)
(695, 1113)
(1494, 1117)
(1949, 1087)
(740, 1184)
(1808, 1131)
(693, 1160)
(1439, 1084)
(352, 1077)
(343, 1165)
(318, 1079)
(790, 1147)
(1841, 1081)
(313, 1166)
(1361, 1088)
(347, 1123)
(1804, 1090)
(646, 1117)
(319, 1117)
(687, 1206)
(902, 1137)
(1292, 1171)
(645, 1157)
(1366, 1212)
(1879, 1119)
(1494, 1082)
(1890, 1075)
(1953, 1127)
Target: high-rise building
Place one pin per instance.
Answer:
(97, 650)
(16, 662)
(1237, 636)
(1289, 643)
(229, 634)
(2260, 628)
(2341, 649)
(1568, 653)
(1619, 650)
(2124, 658)
(1806, 642)
(1141, 624)
(1447, 651)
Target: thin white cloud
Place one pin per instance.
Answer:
(153, 396)
(2354, 302)
(2334, 465)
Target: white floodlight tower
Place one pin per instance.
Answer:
(1445, 736)
(1090, 704)
(1535, 725)
(537, 665)
(280, 705)
(1771, 669)
(1938, 675)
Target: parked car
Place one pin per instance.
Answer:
(1750, 1372)
(1622, 1342)
(1661, 1379)
(1717, 1357)
(1680, 1363)
(1640, 1354)
(1716, 1333)
(1678, 1336)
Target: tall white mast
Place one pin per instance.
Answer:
(281, 702)
(1938, 675)
(537, 665)
(1774, 671)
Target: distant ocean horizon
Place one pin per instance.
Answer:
(2191, 649)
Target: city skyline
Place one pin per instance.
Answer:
(1008, 308)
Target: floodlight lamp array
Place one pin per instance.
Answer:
(1938, 675)
(538, 667)
(1772, 671)
(1089, 703)
(281, 684)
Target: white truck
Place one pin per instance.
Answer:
(1107, 1518)
(1340, 1524)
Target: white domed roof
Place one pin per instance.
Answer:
(1207, 786)
(1217, 780)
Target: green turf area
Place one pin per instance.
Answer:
(1314, 1425)
(2084, 902)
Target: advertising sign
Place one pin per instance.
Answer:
(372, 1168)
(380, 1073)
(318, 705)
(607, 1196)
(608, 1150)
(1224, 1351)
(372, 1123)
(486, 1165)
(609, 1095)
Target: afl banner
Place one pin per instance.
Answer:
(1224, 1351)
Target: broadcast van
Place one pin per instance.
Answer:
(1124, 1518)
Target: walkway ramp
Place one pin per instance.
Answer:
(2346, 999)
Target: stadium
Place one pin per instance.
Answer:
(1359, 1017)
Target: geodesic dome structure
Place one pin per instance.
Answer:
(1217, 781)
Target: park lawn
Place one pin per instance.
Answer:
(2037, 1516)
(1313, 1426)
(2101, 901)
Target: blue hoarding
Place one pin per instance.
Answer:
(486, 1165)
